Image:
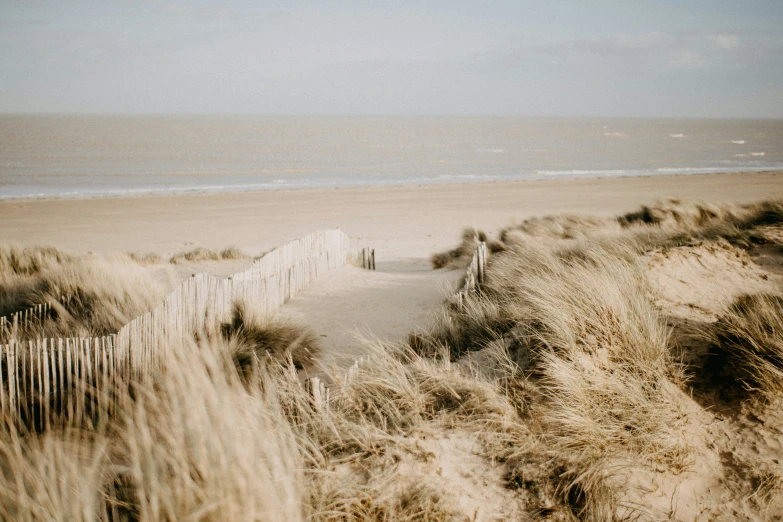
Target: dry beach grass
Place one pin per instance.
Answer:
(578, 384)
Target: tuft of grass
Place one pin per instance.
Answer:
(391, 498)
(565, 226)
(256, 339)
(600, 350)
(233, 253)
(749, 338)
(148, 258)
(205, 444)
(204, 254)
(197, 254)
(689, 215)
(680, 214)
(460, 256)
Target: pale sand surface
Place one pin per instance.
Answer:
(405, 224)
(729, 441)
(349, 306)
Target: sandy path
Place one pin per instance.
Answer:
(348, 303)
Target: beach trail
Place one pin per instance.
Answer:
(349, 303)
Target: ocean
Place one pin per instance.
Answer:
(70, 156)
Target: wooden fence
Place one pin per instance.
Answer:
(474, 276)
(367, 256)
(49, 379)
(313, 250)
(29, 317)
(38, 375)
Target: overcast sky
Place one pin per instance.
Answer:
(689, 58)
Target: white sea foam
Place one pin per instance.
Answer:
(463, 176)
(226, 154)
(689, 170)
(578, 172)
(757, 153)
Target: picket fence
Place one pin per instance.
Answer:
(31, 317)
(28, 319)
(42, 376)
(37, 376)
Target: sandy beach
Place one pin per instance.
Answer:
(680, 290)
(405, 224)
(395, 262)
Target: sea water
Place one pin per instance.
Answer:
(75, 156)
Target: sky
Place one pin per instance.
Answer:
(684, 58)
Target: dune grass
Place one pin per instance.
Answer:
(206, 439)
(460, 256)
(749, 339)
(91, 295)
(597, 378)
(561, 368)
(103, 293)
(205, 254)
(146, 259)
(194, 255)
(594, 356)
(255, 339)
(666, 224)
(18, 260)
(197, 443)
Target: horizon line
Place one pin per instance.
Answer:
(381, 115)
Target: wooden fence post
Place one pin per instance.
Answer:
(319, 393)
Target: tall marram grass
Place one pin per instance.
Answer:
(461, 255)
(749, 337)
(196, 443)
(202, 438)
(103, 293)
(19, 260)
(595, 377)
(257, 339)
(561, 368)
(669, 223)
(599, 353)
